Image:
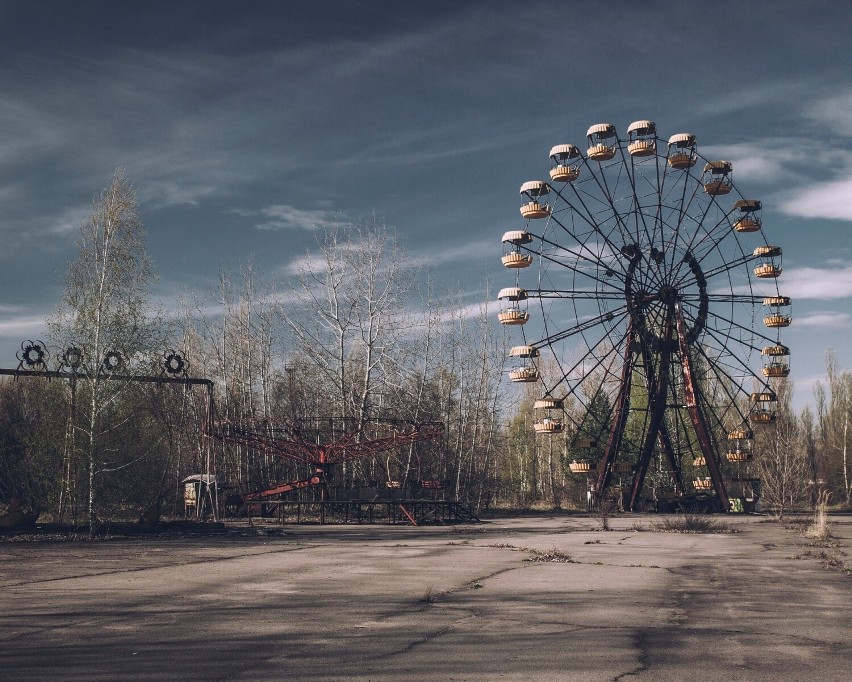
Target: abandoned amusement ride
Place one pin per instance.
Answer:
(655, 340)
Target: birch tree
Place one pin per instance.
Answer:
(348, 318)
(105, 314)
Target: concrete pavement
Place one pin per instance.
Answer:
(371, 603)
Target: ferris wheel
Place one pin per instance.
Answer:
(655, 333)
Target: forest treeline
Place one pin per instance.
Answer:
(356, 332)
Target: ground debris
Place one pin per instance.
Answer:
(550, 555)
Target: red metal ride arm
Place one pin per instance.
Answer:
(316, 479)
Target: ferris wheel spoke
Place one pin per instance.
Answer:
(712, 234)
(574, 293)
(744, 299)
(713, 239)
(589, 217)
(682, 212)
(638, 213)
(574, 386)
(743, 328)
(578, 389)
(724, 383)
(610, 316)
(728, 266)
(600, 179)
(586, 254)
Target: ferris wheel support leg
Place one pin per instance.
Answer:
(620, 419)
(664, 438)
(657, 389)
(699, 423)
(666, 444)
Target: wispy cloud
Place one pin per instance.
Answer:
(753, 97)
(474, 310)
(286, 217)
(819, 283)
(69, 220)
(764, 160)
(22, 325)
(823, 320)
(831, 200)
(479, 249)
(834, 113)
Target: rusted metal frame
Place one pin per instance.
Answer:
(665, 438)
(339, 452)
(658, 385)
(292, 451)
(136, 378)
(408, 514)
(343, 449)
(666, 444)
(621, 413)
(316, 479)
(699, 422)
(320, 457)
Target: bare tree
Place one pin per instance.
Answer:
(833, 409)
(781, 460)
(105, 314)
(350, 317)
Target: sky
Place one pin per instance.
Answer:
(248, 126)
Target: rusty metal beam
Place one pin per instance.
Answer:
(622, 408)
(699, 423)
(136, 378)
(658, 386)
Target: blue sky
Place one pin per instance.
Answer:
(246, 126)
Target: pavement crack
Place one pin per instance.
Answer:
(142, 569)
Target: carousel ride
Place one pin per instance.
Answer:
(655, 341)
(323, 446)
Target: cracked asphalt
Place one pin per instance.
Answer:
(371, 603)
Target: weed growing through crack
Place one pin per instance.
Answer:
(550, 555)
(692, 523)
(833, 561)
(428, 597)
(819, 530)
(606, 507)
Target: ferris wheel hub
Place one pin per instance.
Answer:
(668, 295)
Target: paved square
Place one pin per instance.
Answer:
(438, 603)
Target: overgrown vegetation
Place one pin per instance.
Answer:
(692, 523)
(550, 556)
(819, 530)
(353, 332)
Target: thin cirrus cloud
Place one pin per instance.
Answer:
(831, 200)
(287, 217)
(819, 283)
(835, 113)
(824, 320)
(21, 325)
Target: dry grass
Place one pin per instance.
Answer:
(605, 509)
(819, 529)
(692, 523)
(550, 555)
